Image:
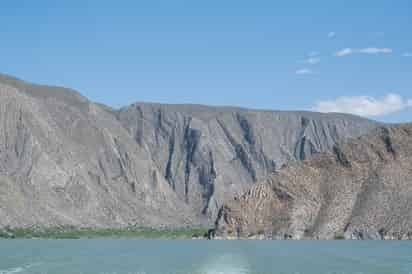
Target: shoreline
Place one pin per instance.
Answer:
(68, 232)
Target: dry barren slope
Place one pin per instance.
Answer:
(66, 160)
(210, 154)
(360, 190)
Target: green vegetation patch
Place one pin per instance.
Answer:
(69, 232)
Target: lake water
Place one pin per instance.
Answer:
(203, 257)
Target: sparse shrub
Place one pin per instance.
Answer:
(339, 236)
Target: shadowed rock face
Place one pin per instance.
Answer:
(208, 155)
(362, 189)
(65, 160)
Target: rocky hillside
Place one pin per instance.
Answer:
(66, 160)
(208, 155)
(362, 189)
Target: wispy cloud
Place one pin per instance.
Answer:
(312, 58)
(344, 52)
(365, 105)
(407, 54)
(332, 34)
(310, 61)
(313, 61)
(304, 71)
(375, 51)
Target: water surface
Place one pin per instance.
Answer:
(203, 257)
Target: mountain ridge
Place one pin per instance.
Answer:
(68, 161)
(27, 86)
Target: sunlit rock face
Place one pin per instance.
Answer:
(361, 189)
(210, 154)
(66, 160)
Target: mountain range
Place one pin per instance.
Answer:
(65, 160)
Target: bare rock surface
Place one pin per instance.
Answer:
(361, 189)
(66, 160)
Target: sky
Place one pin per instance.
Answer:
(329, 56)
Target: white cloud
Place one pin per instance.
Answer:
(375, 50)
(345, 52)
(313, 61)
(310, 61)
(348, 51)
(364, 105)
(304, 71)
(332, 34)
(407, 54)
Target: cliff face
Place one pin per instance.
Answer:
(65, 160)
(362, 189)
(208, 155)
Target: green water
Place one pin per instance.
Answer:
(163, 257)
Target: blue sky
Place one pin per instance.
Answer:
(350, 56)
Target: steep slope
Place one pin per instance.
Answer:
(210, 154)
(65, 160)
(362, 189)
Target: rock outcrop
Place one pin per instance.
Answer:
(66, 160)
(210, 154)
(361, 189)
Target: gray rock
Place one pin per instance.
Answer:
(210, 154)
(361, 189)
(66, 160)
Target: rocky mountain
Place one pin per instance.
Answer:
(66, 160)
(361, 189)
(208, 154)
